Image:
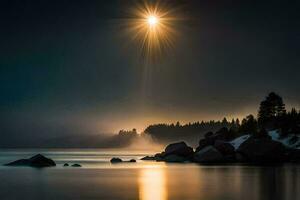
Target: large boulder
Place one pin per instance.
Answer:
(35, 161)
(262, 150)
(208, 154)
(225, 148)
(179, 149)
(209, 140)
(116, 160)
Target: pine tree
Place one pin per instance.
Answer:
(270, 109)
(277, 104)
(249, 125)
(237, 122)
(232, 122)
(224, 122)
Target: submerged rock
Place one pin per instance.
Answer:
(208, 154)
(35, 161)
(116, 160)
(132, 160)
(76, 165)
(66, 165)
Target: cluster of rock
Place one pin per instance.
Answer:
(176, 152)
(119, 160)
(38, 161)
(73, 165)
(213, 150)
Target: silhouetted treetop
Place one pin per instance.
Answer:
(190, 132)
(270, 108)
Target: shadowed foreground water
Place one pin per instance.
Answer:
(145, 180)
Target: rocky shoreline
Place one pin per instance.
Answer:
(212, 150)
(262, 148)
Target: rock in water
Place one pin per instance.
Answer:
(132, 160)
(208, 154)
(116, 160)
(66, 165)
(159, 156)
(35, 161)
(76, 165)
(148, 158)
(174, 158)
(179, 149)
(262, 150)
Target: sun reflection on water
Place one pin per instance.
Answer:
(152, 184)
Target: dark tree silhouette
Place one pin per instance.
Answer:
(190, 132)
(237, 122)
(270, 109)
(249, 125)
(224, 122)
(289, 123)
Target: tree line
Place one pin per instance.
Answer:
(271, 115)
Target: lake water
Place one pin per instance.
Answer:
(144, 180)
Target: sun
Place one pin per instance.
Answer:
(153, 29)
(152, 20)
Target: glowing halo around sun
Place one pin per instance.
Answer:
(152, 20)
(152, 27)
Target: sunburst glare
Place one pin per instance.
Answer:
(152, 20)
(152, 28)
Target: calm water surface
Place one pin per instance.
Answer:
(147, 180)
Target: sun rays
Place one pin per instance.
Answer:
(152, 29)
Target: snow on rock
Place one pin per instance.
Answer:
(290, 141)
(238, 141)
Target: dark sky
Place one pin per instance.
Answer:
(66, 66)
